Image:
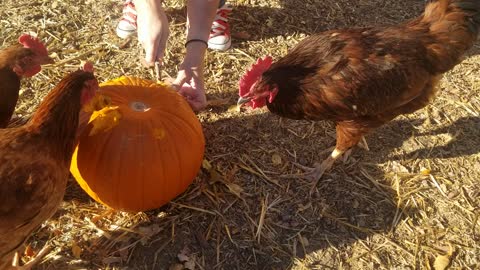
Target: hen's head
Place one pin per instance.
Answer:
(31, 56)
(253, 90)
(90, 86)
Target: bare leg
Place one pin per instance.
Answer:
(16, 259)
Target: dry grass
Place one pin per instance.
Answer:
(407, 201)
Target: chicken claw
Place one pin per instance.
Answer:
(363, 144)
(316, 173)
(16, 259)
(346, 155)
(320, 168)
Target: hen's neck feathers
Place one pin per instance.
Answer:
(9, 87)
(56, 119)
(9, 55)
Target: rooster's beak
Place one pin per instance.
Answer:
(243, 100)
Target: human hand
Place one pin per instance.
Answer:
(189, 81)
(153, 29)
(190, 84)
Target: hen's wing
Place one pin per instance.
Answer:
(356, 72)
(24, 190)
(31, 187)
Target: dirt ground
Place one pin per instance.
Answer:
(411, 201)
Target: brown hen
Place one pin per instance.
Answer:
(35, 160)
(363, 78)
(17, 61)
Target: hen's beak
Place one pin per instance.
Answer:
(243, 100)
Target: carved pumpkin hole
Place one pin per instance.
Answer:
(139, 106)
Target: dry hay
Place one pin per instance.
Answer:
(412, 199)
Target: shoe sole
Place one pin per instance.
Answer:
(121, 33)
(220, 47)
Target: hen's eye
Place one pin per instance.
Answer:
(25, 60)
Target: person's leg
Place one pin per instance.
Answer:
(220, 38)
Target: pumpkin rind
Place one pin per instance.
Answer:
(143, 151)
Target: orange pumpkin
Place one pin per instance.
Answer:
(140, 149)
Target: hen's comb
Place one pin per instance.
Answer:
(87, 66)
(33, 43)
(253, 74)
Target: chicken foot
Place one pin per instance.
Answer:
(317, 172)
(16, 259)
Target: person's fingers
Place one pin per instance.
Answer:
(187, 91)
(179, 81)
(151, 52)
(197, 105)
(195, 97)
(153, 32)
(169, 80)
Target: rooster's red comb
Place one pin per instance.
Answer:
(33, 43)
(87, 66)
(253, 74)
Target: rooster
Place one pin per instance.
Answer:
(363, 78)
(17, 61)
(34, 163)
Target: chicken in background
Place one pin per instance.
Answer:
(363, 78)
(17, 61)
(34, 163)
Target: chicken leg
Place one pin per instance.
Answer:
(16, 259)
(317, 172)
(348, 136)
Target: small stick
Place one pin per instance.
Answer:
(158, 70)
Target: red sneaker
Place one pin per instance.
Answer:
(127, 26)
(220, 38)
